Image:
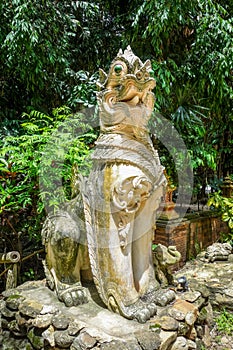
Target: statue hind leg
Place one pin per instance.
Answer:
(65, 258)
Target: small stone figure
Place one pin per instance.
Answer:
(218, 251)
(164, 258)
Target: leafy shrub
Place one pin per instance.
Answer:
(225, 322)
(35, 173)
(225, 207)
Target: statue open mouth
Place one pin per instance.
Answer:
(134, 92)
(129, 80)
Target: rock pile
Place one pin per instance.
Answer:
(216, 275)
(32, 318)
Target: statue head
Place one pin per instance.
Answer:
(129, 80)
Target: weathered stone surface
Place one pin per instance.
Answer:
(63, 339)
(7, 312)
(30, 308)
(202, 316)
(41, 321)
(49, 309)
(201, 288)
(13, 301)
(14, 328)
(181, 310)
(75, 345)
(60, 321)
(184, 329)
(9, 292)
(48, 336)
(200, 302)
(99, 335)
(117, 345)
(180, 344)
(2, 304)
(192, 335)
(223, 300)
(166, 323)
(210, 315)
(206, 338)
(200, 331)
(90, 326)
(86, 340)
(218, 251)
(177, 314)
(75, 326)
(167, 338)
(212, 280)
(190, 296)
(14, 343)
(22, 321)
(190, 318)
(149, 340)
(191, 345)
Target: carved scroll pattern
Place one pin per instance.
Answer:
(127, 197)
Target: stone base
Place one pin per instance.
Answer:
(33, 318)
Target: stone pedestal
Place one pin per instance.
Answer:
(168, 212)
(33, 318)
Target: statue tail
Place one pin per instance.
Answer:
(93, 245)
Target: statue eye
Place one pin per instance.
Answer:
(139, 75)
(118, 69)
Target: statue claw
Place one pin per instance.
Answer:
(145, 312)
(138, 311)
(73, 296)
(152, 308)
(162, 297)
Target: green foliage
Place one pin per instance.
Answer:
(212, 51)
(225, 322)
(33, 36)
(84, 92)
(164, 22)
(24, 158)
(191, 50)
(45, 43)
(225, 207)
(164, 73)
(35, 174)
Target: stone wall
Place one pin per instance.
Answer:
(190, 235)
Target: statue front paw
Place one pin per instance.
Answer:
(72, 295)
(160, 297)
(138, 310)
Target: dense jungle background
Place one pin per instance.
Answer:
(50, 54)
